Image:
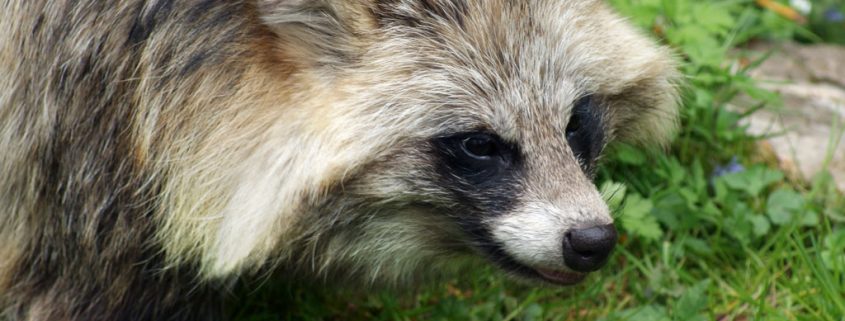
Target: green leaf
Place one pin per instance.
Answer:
(753, 180)
(711, 210)
(637, 219)
(532, 312)
(613, 193)
(669, 208)
(629, 155)
(698, 246)
(809, 218)
(720, 191)
(643, 313)
(761, 225)
(738, 224)
(716, 19)
(753, 90)
(834, 247)
(692, 303)
(784, 205)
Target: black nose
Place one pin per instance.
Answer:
(586, 250)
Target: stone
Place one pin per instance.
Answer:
(808, 132)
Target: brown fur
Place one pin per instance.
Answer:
(156, 149)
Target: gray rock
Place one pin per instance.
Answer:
(808, 133)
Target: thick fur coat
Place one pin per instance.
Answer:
(152, 150)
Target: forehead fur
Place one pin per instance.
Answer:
(514, 62)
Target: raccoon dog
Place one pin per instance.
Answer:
(153, 150)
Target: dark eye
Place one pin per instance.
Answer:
(480, 146)
(585, 132)
(476, 157)
(581, 106)
(574, 126)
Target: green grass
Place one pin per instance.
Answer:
(748, 244)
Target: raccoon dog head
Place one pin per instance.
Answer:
(468, 127)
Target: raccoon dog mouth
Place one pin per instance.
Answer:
(556, 277)
(561, 277)
(507, 263)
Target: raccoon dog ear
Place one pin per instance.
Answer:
(315, 29)
(313, 16)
